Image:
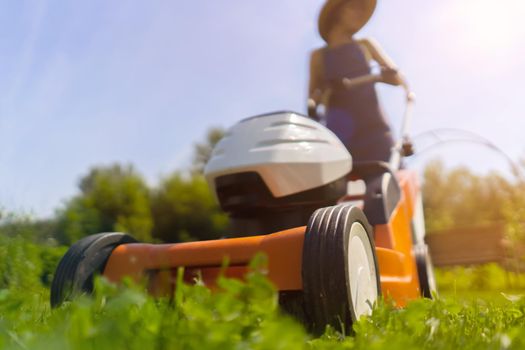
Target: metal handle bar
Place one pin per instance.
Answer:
(397, 150)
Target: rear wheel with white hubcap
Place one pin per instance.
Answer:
(340, 272)
(425, 271)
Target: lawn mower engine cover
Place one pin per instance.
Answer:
(279, 160)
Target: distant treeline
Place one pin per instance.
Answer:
(117, 198)
(457, 198)
(182, 208)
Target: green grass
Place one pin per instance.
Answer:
(240, 316)
(244, 316)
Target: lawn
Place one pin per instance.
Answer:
(243, 315)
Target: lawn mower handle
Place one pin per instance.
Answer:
(403, 143)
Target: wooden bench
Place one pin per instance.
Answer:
(468, 246)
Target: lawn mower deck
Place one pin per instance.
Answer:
(230, 257)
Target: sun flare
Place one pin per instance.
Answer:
(492, 24)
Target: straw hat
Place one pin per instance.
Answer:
(331, 7)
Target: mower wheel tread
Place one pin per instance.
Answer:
(325, 264)
(82, 262)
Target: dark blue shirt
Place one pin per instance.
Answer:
(355, 115)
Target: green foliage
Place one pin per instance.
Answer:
(202, 150)
(20, 225)
(240, 315)
(514, 212)
(113, 198)
(244, 315)
(184, 209)
(489, 277)
(459, 198)
(443, 324)
(25, 265)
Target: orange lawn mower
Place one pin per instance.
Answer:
(337, 234)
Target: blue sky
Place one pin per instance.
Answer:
(95, 82)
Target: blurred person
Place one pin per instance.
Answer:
(352, 113)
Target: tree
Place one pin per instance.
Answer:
(184, 209)
(459, 198)
(112, 198)
(202, 151)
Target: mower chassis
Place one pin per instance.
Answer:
(158, 263)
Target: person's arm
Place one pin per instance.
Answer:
(316, 84)
(390, 71)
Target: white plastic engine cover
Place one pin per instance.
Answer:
(291, 153)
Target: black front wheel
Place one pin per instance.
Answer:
(340, 271)
(84, 259)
